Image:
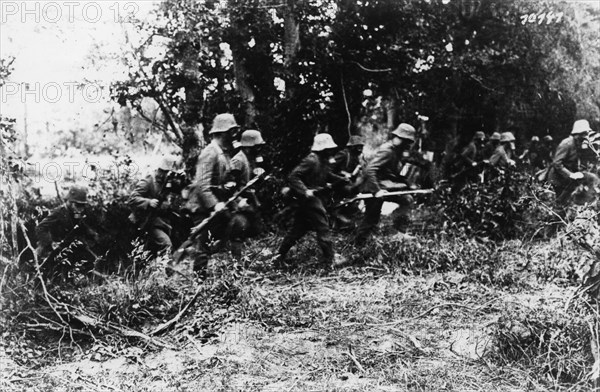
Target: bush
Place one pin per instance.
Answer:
(507, 206)
(552, 344)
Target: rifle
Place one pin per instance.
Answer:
(167, 188)
(196, 230)
(367, 196)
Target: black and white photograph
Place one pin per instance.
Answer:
(299, 195)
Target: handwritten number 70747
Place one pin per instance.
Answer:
(548, 17)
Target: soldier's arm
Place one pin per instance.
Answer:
(237, 168)
(304, 169)
(140, 197)
(496, 158)
(44, 233)
(561, 154)
(203, 183)
(467, 154)
(381, 158)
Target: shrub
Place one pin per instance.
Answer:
(552, 344)
(506, 206)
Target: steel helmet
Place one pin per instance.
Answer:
(535, 139)
(355, 140)
(495, 136)
(222, 123)
(251, 138)
(323, 141)
(507, 137)
(581, 126)
(168, 163)
(77, 194)
(405, 131)
(547, 138)
(479, 135)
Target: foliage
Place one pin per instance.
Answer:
(548, 342)
(366, 62)
(504, 207)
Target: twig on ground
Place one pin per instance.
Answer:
(353, 358)
(163, 327)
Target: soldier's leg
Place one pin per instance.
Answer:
(298, 230)
(319, 222)
(370, 219)
(402, 215)
(159, 240)
(240, 226)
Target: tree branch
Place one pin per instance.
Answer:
(371, 70)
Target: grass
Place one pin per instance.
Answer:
(431, 315)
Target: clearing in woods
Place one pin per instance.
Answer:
(364, 328)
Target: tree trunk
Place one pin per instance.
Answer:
(291, 45)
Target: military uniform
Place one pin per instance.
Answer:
(501, 158)
(159, 227)
(212, 172)
(312, 173)
(566, 162)
(383, 173)
(62, 222)
(246, 221)
(54, 228)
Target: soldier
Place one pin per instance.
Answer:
(150, 201)
(547, 150)
(350, 164)
(491, 145)
(211, 188)
(382, 175)
(246, 221)
(502, 157)
(564, 173)
(532, 154)
(306, 180)
(349, 161)
(64, 223)
(470, 159)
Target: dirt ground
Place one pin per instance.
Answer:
(356, 329)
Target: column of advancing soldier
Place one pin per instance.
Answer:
(325, 187)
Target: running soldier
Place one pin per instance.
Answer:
(307, 181)
(246, 221)
(383, 175)
(212, 186)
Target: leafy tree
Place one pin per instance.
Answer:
(293, 69)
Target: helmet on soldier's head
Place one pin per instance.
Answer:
(323, 141)
(77, 194)
(535, 139)
(223, 122)
(168, 163)
(547, 138)
(495, 136)
(355, 140)
(507, 137)
(479, 135)
(405, 131)
(581, 126)
(251, 138)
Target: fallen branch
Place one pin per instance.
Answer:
(353, 358)
(125, 331)
(165, 326)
